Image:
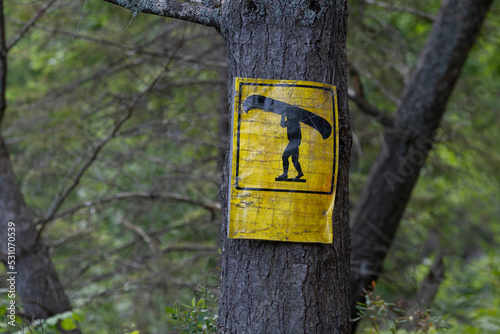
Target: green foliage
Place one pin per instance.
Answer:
(8, 320)
(381, 316)
(197, 318)
(472, 298)
(54, 325)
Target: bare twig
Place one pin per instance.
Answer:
(134, 286)
(73, 236)
(143, 234)
(408, 10)
(102, 256)
(358, 96)
(133, 195)
(192, 58)
(364, 106)
(26, 3)
(29, 24)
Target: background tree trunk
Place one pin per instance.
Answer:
(278, 287)
(406, 146)
(37, 284)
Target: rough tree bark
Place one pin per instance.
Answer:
(406, 146)
(274, 287)
(37, 283)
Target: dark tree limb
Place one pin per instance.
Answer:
(358, 97)
(187, 11)
(430, 285)
(427, 292)
(396, 170)
(369, 109)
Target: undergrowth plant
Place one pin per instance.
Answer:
(199, 317)
(383, 317)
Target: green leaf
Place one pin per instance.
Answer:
(52, 322)
(68, 324)
(170, 310)
(78, 315)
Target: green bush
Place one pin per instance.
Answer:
(198, 318)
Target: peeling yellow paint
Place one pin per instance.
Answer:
(271, 119)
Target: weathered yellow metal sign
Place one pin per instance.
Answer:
(284, 160)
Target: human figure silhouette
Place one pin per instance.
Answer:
(294, 136)
(291, 117)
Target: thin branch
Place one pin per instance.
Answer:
(73, 236)
(26, 3)
(358, 96)
(103, 256)
(143, 234)
(186, 11)
(3, 64)
(367, 108)
(110, 70)
(196, 58)
(134, 286)
(382, 87)
(133, 195)
(408, 10)
(58, 201)
(29, 24)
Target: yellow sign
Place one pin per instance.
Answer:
(284, 160)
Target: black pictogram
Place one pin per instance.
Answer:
(291, 117)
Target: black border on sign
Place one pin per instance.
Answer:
(334, 127)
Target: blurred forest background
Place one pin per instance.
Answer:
(117, 131)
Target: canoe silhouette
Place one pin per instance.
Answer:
(290, 111)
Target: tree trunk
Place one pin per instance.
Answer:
(278, 287)
(37, 284)
(396, 170)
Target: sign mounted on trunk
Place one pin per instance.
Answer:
(284, 160)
